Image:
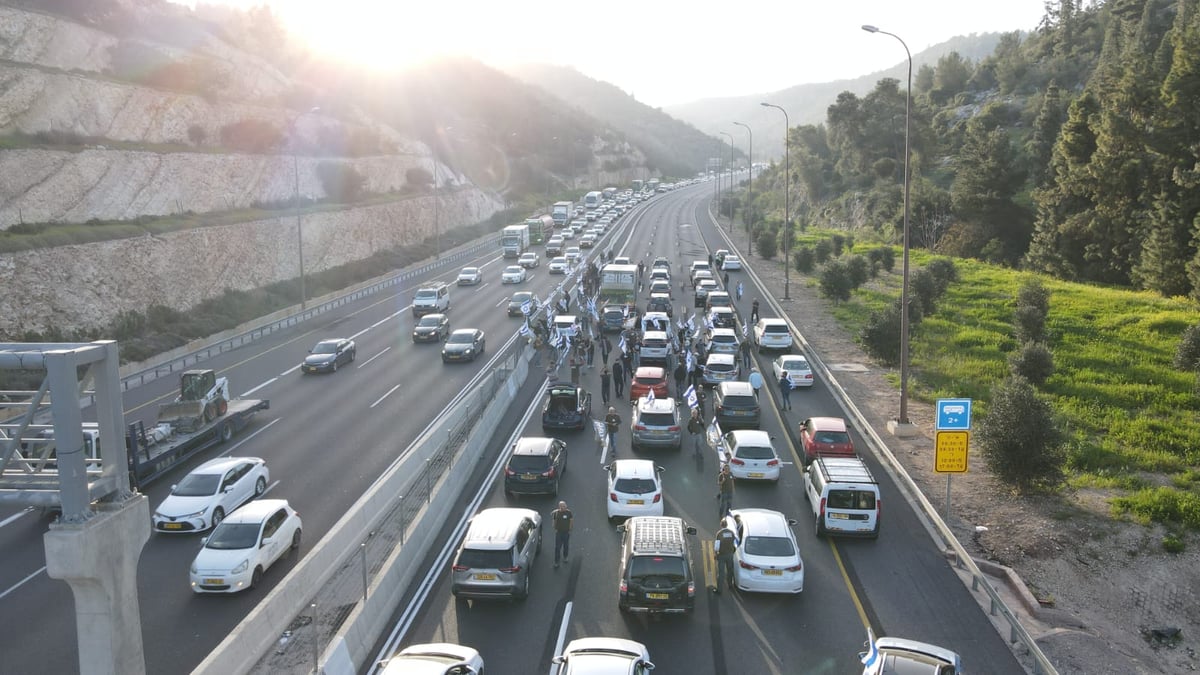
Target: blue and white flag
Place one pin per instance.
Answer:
(690, 396)
(680, 324)
(650, 395)
(525, 331)
(621, 344)
(691, 322)
(572, 331)
(708, 322)
(527, 307)
(555, 339)
(869, 657)
(745, 330)
(691, 361)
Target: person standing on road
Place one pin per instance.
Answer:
(754, 311)
(726, 279)
(680, 377)
(563, 519)
(618, 377)
(612, 422)
(605, 383)
(725, 489)
(575, 363)
(695, 427)
(785, 390)
(744, 348)
(725, 549)
(605, 347)
(591, 352)
(739, 291)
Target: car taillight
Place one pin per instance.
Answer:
(798, 567)
(624, 587)
(511, 570)
(549, 473)
(878, 510)
(821, 510)
(657, 498)
(691, 589)
(773, 462)
(639, 427)
(509, 472)
(737, 461)
(747, 566)
(675, 428)
(612, 496)
(808, 376)
(460, 568)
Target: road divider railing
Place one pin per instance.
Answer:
(332, 607)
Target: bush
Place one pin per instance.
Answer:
(1019, 439)
(1033, 294)
(766, 243)
(1187, 354)
(880, 335)
(1029, 324)
(197, 134)
(859, 269)
(803, 260)
(258, 136)
(1034, 362)
(418, 177)
(924, 290)
(836, 283)
(884, 256)
(944, 272)
(342, 182)
(822, 251)
(838, 242)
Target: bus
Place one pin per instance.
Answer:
(540, 229)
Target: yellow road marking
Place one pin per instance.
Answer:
(710, 564)
(862, 613)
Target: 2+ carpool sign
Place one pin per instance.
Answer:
(953, 414)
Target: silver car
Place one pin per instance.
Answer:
(656, 424)
(496, 557)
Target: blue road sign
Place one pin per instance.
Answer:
(953, 414)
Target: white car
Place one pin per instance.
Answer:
(768, 559)
(568, 232)
(513, 274)
(750, 454)
(558, 265)
(529, 260)
(634, 488)
(244, 546)
(621, 260)
(469, 276)
(588, 241)
(604, 656)
(723, 341)
(573, 254)
(212, 490)
(799, 372)
(436, 658)
(731, 263)
(898, 655)
(772, 334)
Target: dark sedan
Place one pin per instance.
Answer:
(464, 344)
(518, 301)
(327, 355)
(431, 328)
(566, 407)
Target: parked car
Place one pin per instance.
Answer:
(825, 436)
(772, 334)
(768, 557)
(213, 489)
(470, 276)
(656, 423)
(898, 655)
(723, 317)
(660, 302)
(750, 454)
(245, 545)
(723, 341)
(601, 656)
(720, 368)
(464, 344)
(437, 658)
(327, 355)
(647, 379)
(495, 558)
(513, 274)
(703, 288)
(529, 260)
(431, 328)
(735, 405)
(634, 488)
(796, 366)
(573, 254)
(567, 407)
(731, 263)
(535, 466)
(588, 240)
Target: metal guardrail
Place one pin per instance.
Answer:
(1017, 632)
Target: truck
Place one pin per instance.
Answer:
(561, 212)
(514, 240)
(652, 185)
(541, 229)
(610, 193)
(637, 186)
(593, 199)
(618, 295)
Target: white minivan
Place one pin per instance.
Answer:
(843, 495)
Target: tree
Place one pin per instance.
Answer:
(950, 78)
(986, 183)
(836, 281)
(1033, 361)
(1019, 439)
(767, 244)
(1040, 146)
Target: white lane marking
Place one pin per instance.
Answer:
(289, 371)
(502, 301)
(270, 487)
(364, 363)
(15, 516)
(389, 393)
(483, 285)
(22, 582)
(247, 393)
(237, 445)
(530, 277)
(562, 633)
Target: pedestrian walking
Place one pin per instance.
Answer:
(591, 352)
(695, 427)
(726, 280)
(725, 489)
(605, 348)
(612, 423)
(618, 377)
(744, 348)
(785, 390)
(575, 363)
(605, 383)
(725, 549)
(710, 260)
(627, 359)
(697, 374)
(637, 355)
(681, 374)
(562, 519)
(739, 291)
(754, 311)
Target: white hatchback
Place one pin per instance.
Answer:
(750, 454)
(731, 263)
(604, 656)
(244, 546)
(212, 490)
(634, 488)
(513, 274)
(436, 658)
(767, 554)
(799, 371)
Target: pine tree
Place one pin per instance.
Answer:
(1045, 130)
(1162, 265)
(987, 179)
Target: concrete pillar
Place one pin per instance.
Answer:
(99, 559)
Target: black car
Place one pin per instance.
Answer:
(327, 355)
(660, 303)
(535, 466)
(464, 344)
(567, 407)
(431, 328)
(656, 566)
(518, 300)
(735, 405)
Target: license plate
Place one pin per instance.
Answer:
(658, 432)
(738, 413)
(637, 502)
(840, 516)
(484, 577)
(172, 526)
(658, 596)
(773, 573)
(756, 475)
(214, 582)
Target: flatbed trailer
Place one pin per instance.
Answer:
(149, 459)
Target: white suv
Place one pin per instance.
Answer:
(604, 655)
(772, 334)
(634, 488)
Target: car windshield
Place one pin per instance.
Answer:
(470, 271)
(755, 452)
(230, 536)
(522, 296)
(461, 338)
(739, 402)
(794, 363)
(426, 294)
(724, 338)
(651, 419)
(528, 463)
(831, 437)
(775, 547)
(644, 566)
(487, 559)
(198, 485)
(851, 499)
(429, 320)
(719, 367)
(649, 380)
(634, 486)
(325, 348)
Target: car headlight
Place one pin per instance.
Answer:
(198, 514)
(241, 567)
(193, 567)
(467, 350)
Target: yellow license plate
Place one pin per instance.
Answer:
(214, 582)
(484, 577)
(172, 526)
(528, 476)
(840, 516)
(638, 502)
(756, 475)
(773, 573)
(658, 596)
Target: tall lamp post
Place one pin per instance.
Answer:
(726, 133)
(299, 222)
(787, 188)
(748, 212)
(902, 421)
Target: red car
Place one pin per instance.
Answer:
(825, 436)
(648, 378)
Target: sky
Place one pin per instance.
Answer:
(663, 52)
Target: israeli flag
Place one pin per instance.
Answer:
(680, 324)
(869, 657)
(713, 434)
(555, 339)
(650, 396)
(621, 344)
(690, 396)
(745, 331)
(691, 361)
(525, 331)
(691, 322)
(527, 307)
(708, 323)
(572, 331)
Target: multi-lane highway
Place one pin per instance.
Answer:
(326, 438)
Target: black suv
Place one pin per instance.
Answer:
(535, 467)
(736, 405)
(656, 566)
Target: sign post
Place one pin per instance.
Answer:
(952, 445)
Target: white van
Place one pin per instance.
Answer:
(843, 495)
(431, 299)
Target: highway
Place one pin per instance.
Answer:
(326, 438)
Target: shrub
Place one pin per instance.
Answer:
(884, 256)
(197, 134)
(838, 242)
(1187, 354)
(1019, 439)
(767, 245)
(836, 283)
(1034, 362)
(1171, 543)
(1033, 294)
(944, 272)
(342, 182)
(418, 177)
(880, 335)
(859, 269)
(924, 290)
(803, 260)
(251, 135)
(822, 251)
(1029, 324)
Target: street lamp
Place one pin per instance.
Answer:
(726, 133)
(787, 188)
(750, 196)
(902, 421)
(299, 223)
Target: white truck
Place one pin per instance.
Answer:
(561, 212)
(593, 200)
(514, 240)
